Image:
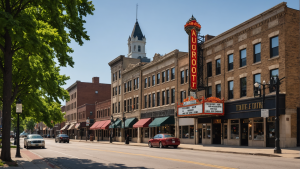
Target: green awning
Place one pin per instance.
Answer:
(161, 121)
(130, 122)
(117, 124)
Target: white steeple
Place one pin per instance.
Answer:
(136, 43)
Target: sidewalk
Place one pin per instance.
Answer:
(29, 160)
(262, 151)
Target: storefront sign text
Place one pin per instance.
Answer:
(193, 60)
(213, 108)
(249, 106)
(190, 110)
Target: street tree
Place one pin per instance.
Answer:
(33, 46)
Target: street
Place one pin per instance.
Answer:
(96, 155)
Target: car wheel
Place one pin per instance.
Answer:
(24, 146)
(175, 146)
(160, 145)
(27, 147)
(44, 147)
(67, 142)
(150, 145)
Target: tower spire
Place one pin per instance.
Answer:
(136, 12)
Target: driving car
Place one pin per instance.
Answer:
(164, 140)
(62, 138)
(34, 140)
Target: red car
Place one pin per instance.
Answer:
(164, 140)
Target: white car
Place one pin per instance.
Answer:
(34, 140)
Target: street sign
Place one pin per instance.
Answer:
(87, 122)
(264, 112)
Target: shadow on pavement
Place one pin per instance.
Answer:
(74, 163)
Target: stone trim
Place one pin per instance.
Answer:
(209, 52)
(181, 89)
(256, 71)
(274, 67)
(208, 60)
(275, 33)
(273, 23)
(173, 87)
(242, 37)
(218, 82)
(209, 84)
(218, 57)
(243, 46)
(230, 78)
(243, 75)
(230, 52)
(256, 41)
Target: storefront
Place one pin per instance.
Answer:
(143, 127)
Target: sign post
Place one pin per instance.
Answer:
(265, 113)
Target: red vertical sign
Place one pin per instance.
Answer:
(193, 61)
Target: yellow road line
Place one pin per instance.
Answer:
(164, 158)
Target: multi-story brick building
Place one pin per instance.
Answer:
(253, 51)
(83, 93)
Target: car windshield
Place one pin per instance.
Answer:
(35, 137)
(168, 135)
(63, 135)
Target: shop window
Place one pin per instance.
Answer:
(135, 132)
(185, 131)
(167, 75)
(258, 128)
(158, 78)
(243, 84)
(209, 91)
(192, 132)
(209, 69)
(163, 77)
(218, 66)
(234, 129)
(274, 47)
(208, 131)
(172, 73)
(230, 62)
(225, 131)
(250, 130)
(243, 58)
(182, 77)
(146, 132)
(257, 53)
(230, 90)
(180, 134)
(218, 91)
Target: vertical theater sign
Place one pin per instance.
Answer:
(192, 106)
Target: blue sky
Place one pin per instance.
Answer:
(162, 22)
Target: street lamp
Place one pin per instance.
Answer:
(18, 111)
(256, 85)
(111, 130)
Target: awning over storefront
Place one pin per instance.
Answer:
(161, 121)
(72, 126)
(77, 125)
(100, 125)
(95, 125)
(105, 125)
(130, 122)
(142, 123)
(117, 124)
(65, 127)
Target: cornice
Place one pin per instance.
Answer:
(119, 58)
(158, 58)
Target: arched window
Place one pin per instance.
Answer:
(139, 48)
(134, 48)
(129, 48)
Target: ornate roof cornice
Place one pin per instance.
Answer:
(119, 58)
(159, 58)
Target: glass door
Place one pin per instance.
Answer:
(270, 132)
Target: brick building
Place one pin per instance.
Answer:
(83, 93)
(253, 51)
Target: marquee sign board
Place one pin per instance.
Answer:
(190, 110)
(213, 108)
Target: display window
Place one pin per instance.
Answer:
(258, 128)
(234, 127)
(225, 131)
(146, 132)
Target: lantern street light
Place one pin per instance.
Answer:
(256, 85)
(111, 130)
(18, 111)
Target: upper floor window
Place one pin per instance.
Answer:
(172, 95)
(209, 69)
(173, 73)
(128, 86)
(137, 82)
(230, 90)
(275, 74)
(257, 53)
(113, 93)
(182, 77)
(153, 100)
(146, 82)
(134, 48)
(153, 80)
(114, 76)
(145, 104)
(218, 91)
(158, 78)
(218, 66)
(149, 81)
(167, 75)
(116, 91)
(134, 84)
(230, 62)
(186, 75)
(243, 84)
(274, 46)
(119, 74)
(256, 78)
(243, 57)
(139, 48)
(137, 103)
(118, 107)
(149, 105)
(75, 95)
(119, 89)
(182, 96)
(124, 105)
(168, 96)
(158, 99)
(163, 95)
(125, 87)
(163, 77)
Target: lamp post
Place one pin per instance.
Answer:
(18, 111)
(124, 133)
(111, 130)
(256, 85)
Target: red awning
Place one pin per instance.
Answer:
(100, 125)
(105, 125)
(95, 125)
(142, 123)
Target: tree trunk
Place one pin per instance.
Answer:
(7, 93)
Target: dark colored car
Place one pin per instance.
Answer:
(62, 138)
(164, 140)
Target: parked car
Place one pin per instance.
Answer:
(48, 136)
(45, 135)
(23, 135)
(164, 140)
(34, 140)
(62, 138)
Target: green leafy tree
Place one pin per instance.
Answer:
(34, 35)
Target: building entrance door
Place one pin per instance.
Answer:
(200, 135)
(217, 133)
(270, 135)
(244, 125)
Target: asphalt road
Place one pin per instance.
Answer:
(81, 155)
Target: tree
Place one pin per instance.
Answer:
(34, 35)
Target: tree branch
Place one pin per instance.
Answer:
(13, 6)
(21, 8)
